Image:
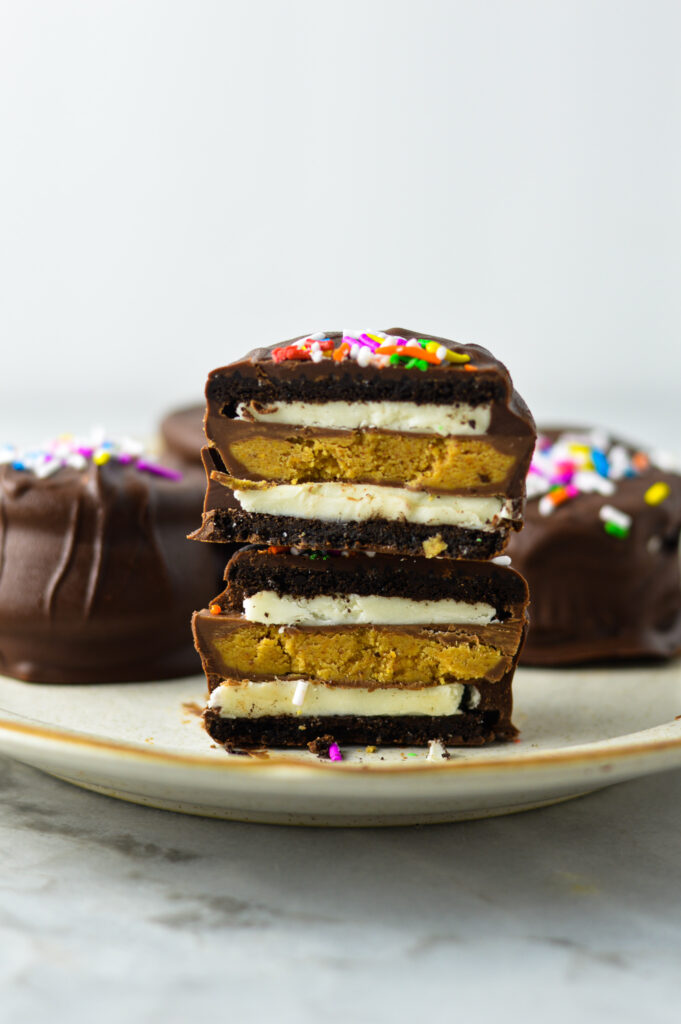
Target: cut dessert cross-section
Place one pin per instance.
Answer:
(394, 441)
(299, 646)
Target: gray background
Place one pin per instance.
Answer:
(180, 181)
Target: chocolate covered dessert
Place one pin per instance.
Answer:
(394, 441)
(97, 579)
(182, 434)
(600, 550)
(369, 650)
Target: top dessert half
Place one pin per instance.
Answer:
(395, 441)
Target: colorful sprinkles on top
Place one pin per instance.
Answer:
(591, 463)
(372, 349)
(74, 452)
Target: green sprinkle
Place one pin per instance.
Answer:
(394, 359)
(421, 364)
(411, 753)
(616, 531)
(412, 363)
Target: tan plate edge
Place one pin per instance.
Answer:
(564, 756)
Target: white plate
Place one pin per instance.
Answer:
(580, 730)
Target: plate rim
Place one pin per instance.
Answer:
(582, 753)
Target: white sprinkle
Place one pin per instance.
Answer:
(47, 468)
(437, 751)
(589, 482)
(316, 355)
(441, 352)
(502, 560)
(665, 461)
(318, 336)
(75, 461)
(295, 551)
(546, 505)
(300, 691)
(370, 554)
(354, 350)
(364, 356)
(614, 515)
(619, 460)
(599, 439)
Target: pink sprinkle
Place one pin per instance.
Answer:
(85, 452)
(151, 467)
(124, 458)
(572, 491)
(334, 752)
(364, 339)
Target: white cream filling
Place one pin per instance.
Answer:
(407, 417)
(246, 699)
(346, 609)
(356, 503)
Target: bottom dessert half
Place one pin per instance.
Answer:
(296, 713)
(379, 650)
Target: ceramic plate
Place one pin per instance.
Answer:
(580, 730)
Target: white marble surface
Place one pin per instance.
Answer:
(112, 912)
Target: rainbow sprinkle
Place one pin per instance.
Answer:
(70, 451)
(590, 463)
(657, 493)
(372, 349)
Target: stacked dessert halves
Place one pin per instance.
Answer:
(379, 476)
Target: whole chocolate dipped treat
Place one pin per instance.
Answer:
(182, 434)
(380, 650)
(600, 551)
(394, 441)
(97, 579)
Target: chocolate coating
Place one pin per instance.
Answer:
(97, 579)
(182, 433)
(596, 597)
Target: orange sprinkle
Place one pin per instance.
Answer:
(215, 609)
(559, 495)
(640, 461)
(469, 366)
(412, 351)
(339, 352)
(276, 549)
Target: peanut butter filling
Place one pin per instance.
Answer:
(361, 656)
(419, 462)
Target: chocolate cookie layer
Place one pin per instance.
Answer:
(599, 592)
(468, 729)
(97, 578)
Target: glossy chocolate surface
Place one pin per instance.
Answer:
(97, 579)
(598, 597)
(182, 433)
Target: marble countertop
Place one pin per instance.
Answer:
(113, 912)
